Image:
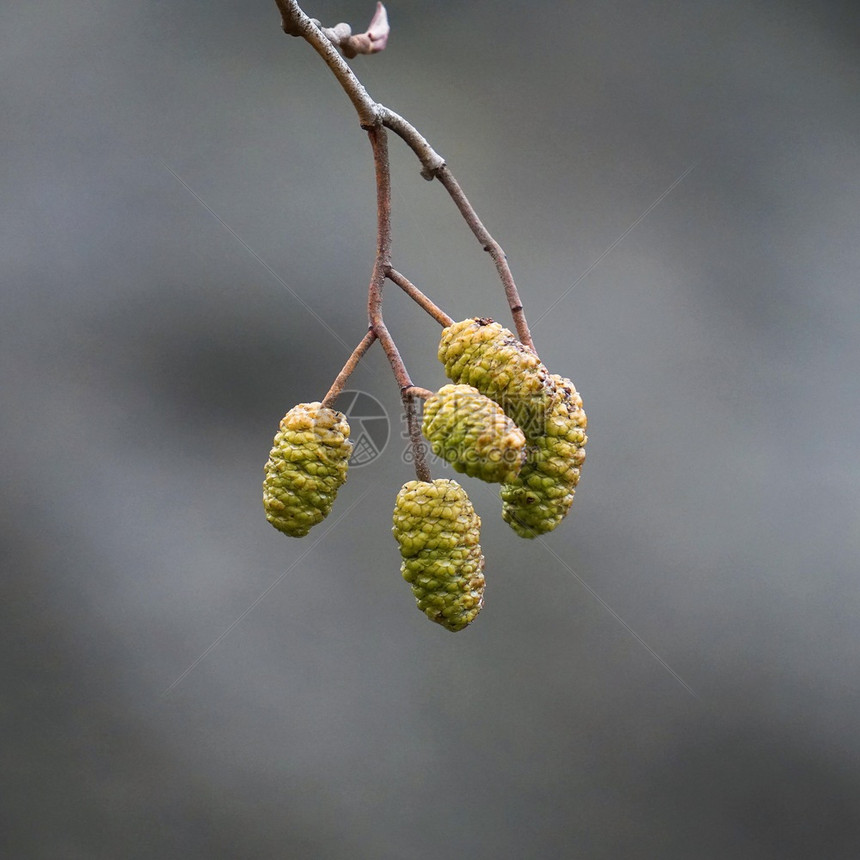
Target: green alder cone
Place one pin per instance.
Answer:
(438, 532)
(473, 434)
(541, 495)
(487, 356)
(306, 467)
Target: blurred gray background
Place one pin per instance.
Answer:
(674, 673)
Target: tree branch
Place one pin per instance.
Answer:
(493, 248)
(430, 160)
(382, 263)
(382, 269)
(417, 391)
(348, 368)
(435, 167)
(419, 298)
(296, 23)
(416, 440)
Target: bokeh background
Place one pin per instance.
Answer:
(187, 232)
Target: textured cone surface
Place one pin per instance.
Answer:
(473, 434)
(541, 495)
(487, 356)
(438, 532)
(306, 467)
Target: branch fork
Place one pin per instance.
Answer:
(376, 119)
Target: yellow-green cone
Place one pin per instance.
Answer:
(483, 354)
(438, 532)
(306, 467)
(540, 497)
(547, 408)
(473, 434)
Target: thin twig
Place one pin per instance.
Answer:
(434, 167)
(416, 440)
(379, 143)
(393, 355)
(381, 269)
(418, 391)
(348, 368)
(493, 248)
(419, 298)
(296, 23)
(430, 160)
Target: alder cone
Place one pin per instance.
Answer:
(473, 434)
(306, 467)
(487, 356)
(438, 532)
(541, 495)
